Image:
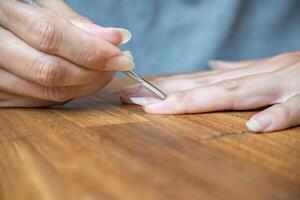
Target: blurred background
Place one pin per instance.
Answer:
(175, 36)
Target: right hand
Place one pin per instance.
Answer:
(50, 54)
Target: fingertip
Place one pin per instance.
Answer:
(110, 35)
(124, 33)
(162, 107)
(145, 101)
(149, 104)
(128, 54)
(260, 122)
(254, 126)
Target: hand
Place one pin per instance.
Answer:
(50, 54)
(232, 86)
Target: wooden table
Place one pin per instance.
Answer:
(96, 148)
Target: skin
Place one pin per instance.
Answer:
(273, 82)
(50, 54)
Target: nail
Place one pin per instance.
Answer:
(128, 64)
(260, 122)
(92, 28)
(126, 34)
(128, 54)
(144, 101)
(119, 63)
(213, 64)
(254, 126)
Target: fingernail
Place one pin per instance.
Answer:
(213, 64)
(254, 126)
(128, 54)
(126, 34)
(259, 123)
(128, 64)
(120, 63)
(144, 101)
(92, 28)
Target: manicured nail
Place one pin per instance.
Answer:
(213, 64)
(122, 63)
(94, 28)
(259, 122)
(126, 34)
(128, 54)
(254, 126)
(144, 101)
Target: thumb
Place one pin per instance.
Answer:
(115, 36)
(277, 117)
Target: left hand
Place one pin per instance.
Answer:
(232, 86)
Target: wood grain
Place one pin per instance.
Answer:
(96, 148)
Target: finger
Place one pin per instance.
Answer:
(55, 35)
(21, 59)
(13, 100)
(187, 82)
(13, 84)
(236, 94)
(166, 85)
(227, 65)
(62, 9)
(115, 36)
(277, 117)
(223, 65)
(138, 90)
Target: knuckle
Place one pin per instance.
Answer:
(201, 80)
(231, 85)
(87, 54)
(46, 35)
(182, 96)
(181, 101)
(57, 94)
(231, 88)
(48, 72)
(284, 112)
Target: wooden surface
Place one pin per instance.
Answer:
(96, 148)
